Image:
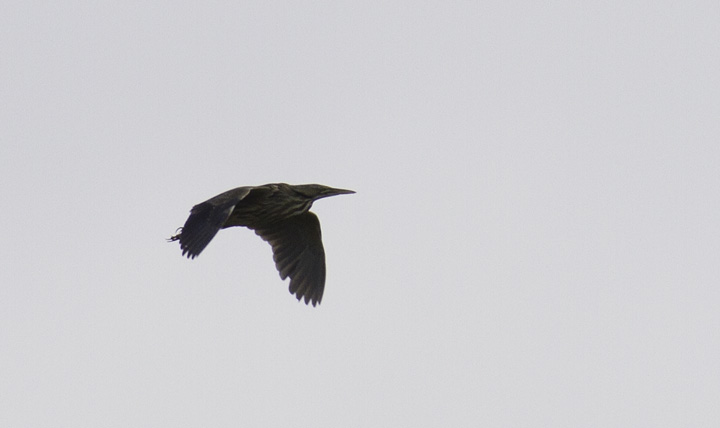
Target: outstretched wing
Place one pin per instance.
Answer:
(298, 253)
(206, 219)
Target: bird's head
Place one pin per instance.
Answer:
(318, 191)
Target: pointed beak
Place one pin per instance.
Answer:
(333, 192)
(341, 192)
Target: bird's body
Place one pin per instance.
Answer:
(279, 214)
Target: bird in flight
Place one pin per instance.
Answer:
(279, 214)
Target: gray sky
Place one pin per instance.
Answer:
(534, 240)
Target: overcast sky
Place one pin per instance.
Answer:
(534, 241)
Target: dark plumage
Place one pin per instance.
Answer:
(279, 214)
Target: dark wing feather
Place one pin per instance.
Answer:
(206, 219)
(298, 253)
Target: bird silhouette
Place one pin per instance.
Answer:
(279, 214)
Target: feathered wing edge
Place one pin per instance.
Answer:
(299, 254)
(206, 219)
